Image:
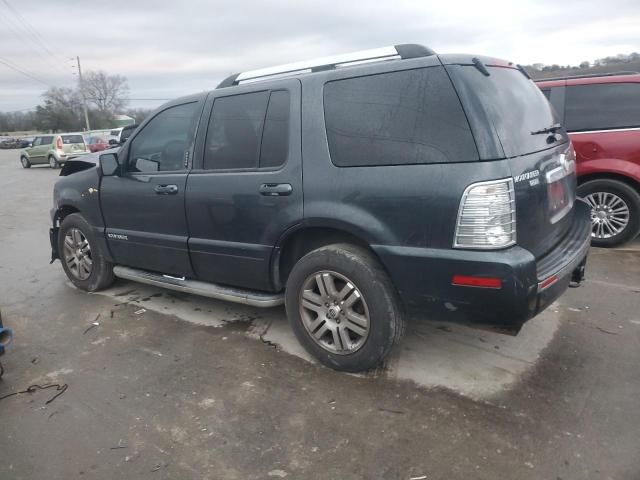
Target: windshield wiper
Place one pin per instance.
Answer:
(552, 129)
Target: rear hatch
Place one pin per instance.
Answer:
(511, 118)
(73, 144)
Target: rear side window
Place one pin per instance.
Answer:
(397, 118)
(46, 140)
(602, 106)
(248, 131)
(69, 139)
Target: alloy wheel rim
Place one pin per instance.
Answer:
(77, 254)
(24, 161)
(609, 214)
(52, 162)
(334, 312)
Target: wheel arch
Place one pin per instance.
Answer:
(633, 183)
(62, 212)
(302, 239)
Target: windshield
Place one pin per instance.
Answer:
(516, 107)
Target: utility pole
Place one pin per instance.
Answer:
(84, 99)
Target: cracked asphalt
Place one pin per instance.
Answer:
(170, 386)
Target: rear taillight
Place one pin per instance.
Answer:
(487, 216)
(59, 143)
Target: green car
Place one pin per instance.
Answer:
(53, 149)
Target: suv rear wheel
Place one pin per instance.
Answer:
(53, 163)
(615, 211)
(25, 162)
(81, 258)
(343, 308)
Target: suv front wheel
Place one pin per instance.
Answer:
(81, 258)
(343, 308)
(615, 211)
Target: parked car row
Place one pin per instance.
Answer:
(13, 143)
(56, 149)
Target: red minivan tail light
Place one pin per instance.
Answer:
(480, 282)
(59, 143)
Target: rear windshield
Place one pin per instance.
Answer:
(69, 139)
(515, 106)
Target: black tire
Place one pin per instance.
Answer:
(628, 195)
(386, 319)
(24, 161)
(53, 163)
(101, 275)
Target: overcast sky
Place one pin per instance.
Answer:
(169, 49)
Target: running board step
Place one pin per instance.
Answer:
(195, 287)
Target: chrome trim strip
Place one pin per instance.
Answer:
(211, 290)
(632, 129)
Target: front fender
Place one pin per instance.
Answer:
(79, 192)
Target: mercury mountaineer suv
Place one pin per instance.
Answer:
(358, 191)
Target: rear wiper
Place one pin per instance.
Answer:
(552, 129)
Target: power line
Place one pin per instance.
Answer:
(30, 28)
(35, 41)
(13, 66)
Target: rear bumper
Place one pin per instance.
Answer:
(424, 276)
(62, 157)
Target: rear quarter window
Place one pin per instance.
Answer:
(397, 118)
(602, 106)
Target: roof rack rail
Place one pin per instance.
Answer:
(395, 52)
(587, 75)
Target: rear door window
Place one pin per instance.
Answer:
(46, 140)
(397, 118)
(248, 131)
(602, 106)
(275, 137)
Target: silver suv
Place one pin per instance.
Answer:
(53, 149)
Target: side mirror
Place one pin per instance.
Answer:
(113, 141)
(109, 164)
(30, 144)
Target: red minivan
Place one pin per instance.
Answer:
(602, 115)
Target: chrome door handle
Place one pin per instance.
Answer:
(166, 189)
(276, 189)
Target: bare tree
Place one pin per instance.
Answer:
(107, 92)
(61, 110)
